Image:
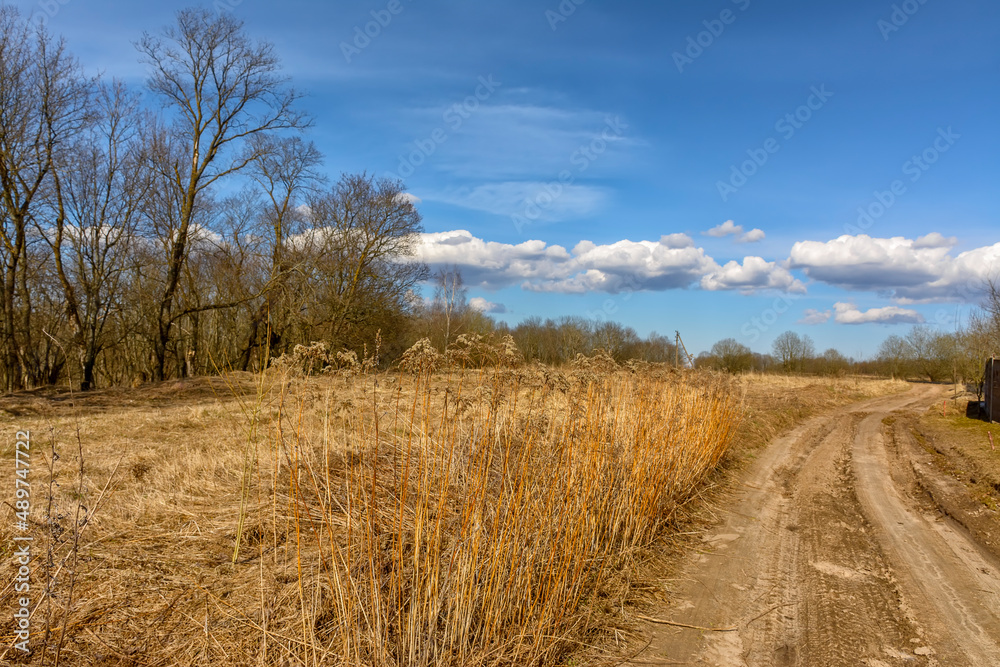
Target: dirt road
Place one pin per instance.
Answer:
(831, 555)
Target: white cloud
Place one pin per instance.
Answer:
(491, 265)
(677, 241)
(848, 313)
(407, 197)
(935, 240)
(730, 228)
(909, 271)
(813, 316)
(753, 236)
(201, 239)
(673, 262)
(725, 229)
(484, 306)
(629, 266)
(754, 273)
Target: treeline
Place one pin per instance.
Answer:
(937, 356)
(790, 353)
(141, 244)
(923, 353)
(550, 341)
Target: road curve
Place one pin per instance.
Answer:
(823, 559)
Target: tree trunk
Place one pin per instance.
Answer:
(160, 354)
(15, 373)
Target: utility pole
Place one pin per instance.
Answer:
(678, 346)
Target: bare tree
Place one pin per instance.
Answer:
(223, 91)
(226, 266)
(619, 341)
(922, 341)
(833, 362)
(285, 169)
(356, 264)
(894, 354)
(732, 356)
(99, 190)
(978, 342)
(450, 298)
(991, 308)
(784, 348)
(43, 102)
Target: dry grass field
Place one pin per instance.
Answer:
(464, 517)
(966, 448)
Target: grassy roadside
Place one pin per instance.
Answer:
(962, 447)
(461, 518)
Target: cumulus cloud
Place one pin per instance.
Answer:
(673, 262)
(725, 229)
(677, 241)
(484, 306)
(628, 266)
(754, 273)
(753, 236)
(935, 240)
(813, 316)
(848, 313)
(491, 265)
(910, 271)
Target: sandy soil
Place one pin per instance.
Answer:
(843, 546)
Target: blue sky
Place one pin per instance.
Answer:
(572, 158)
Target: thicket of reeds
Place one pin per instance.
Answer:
(476, 519)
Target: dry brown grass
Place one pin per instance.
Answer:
(775, 402)
(967, 448)
(477, 517)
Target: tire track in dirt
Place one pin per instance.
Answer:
(822, 561)
(950, 582)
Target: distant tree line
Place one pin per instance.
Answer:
(923, 353)
(550, 341)
(957, 356)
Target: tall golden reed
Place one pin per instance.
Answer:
(473, 519)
